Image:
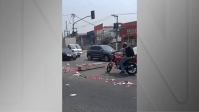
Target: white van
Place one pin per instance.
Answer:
(76, 49)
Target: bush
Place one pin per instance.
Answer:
(106, 40)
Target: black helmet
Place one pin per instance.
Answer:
(124, 44)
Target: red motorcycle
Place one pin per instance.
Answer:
(130, 65)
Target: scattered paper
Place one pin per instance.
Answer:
(128, 86)
(129, 83)
(119, 83)
(95, 76)
(111, 79)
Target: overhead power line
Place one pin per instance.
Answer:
(105, 18)
(126, 14)
(70, 19)
(67, 15)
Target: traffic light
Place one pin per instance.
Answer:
(115, 25)
(92, 14)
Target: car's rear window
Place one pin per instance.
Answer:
(107, 48)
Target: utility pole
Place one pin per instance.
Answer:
(66, 28)
(73, 21)
(116, 30)
(66, 25)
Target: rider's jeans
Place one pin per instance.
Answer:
(121, 63)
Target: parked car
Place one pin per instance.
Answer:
(100, 51)
(76, 49)
(67, 54)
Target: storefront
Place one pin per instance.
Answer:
(128, 33)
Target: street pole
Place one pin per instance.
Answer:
(82, 41)
(117, 34)
(66, 25)
(116, 30)
(66, 29)
(128, 40)
(73, 21)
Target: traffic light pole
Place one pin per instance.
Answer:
(92, 17)
(116, 31)
(73, 21)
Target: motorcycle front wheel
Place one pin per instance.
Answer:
(131, 69)
(108, 69)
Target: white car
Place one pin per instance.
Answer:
(76, 49)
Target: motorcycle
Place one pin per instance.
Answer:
(130, 65)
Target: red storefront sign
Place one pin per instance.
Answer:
(96, 28)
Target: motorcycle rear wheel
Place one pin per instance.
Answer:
(131, 67)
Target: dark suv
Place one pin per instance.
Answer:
(100, 51)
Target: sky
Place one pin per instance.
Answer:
(103, 11)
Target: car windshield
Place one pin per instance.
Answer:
(107, 48)
(78, 47)
(66, 50)
(73, 47)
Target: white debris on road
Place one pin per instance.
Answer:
(73, 94)
(77, 74)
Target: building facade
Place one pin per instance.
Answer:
(128, 33)
(96, 31)
(106, 31)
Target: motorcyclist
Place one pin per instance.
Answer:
(125, 58)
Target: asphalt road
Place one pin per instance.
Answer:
(97, 94)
